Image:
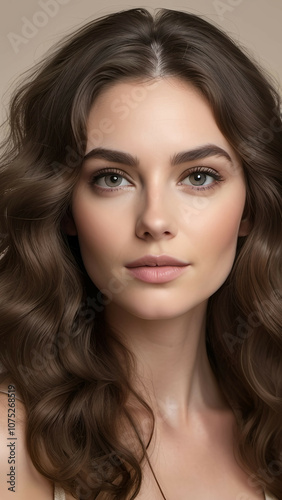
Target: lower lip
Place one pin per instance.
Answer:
(157, 274)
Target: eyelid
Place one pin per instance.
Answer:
(197, 168)
(201, 168)
(103, 172)
(205, 170)
(107, 171)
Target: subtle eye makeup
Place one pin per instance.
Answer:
(198, 178)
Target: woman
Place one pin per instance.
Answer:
(141, 271)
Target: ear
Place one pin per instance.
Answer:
(245, 224)
(68, 224)
(245, 227)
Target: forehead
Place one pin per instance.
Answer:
(165, 114)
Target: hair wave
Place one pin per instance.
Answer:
(54, 344)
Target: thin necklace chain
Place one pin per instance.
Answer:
(155, 477)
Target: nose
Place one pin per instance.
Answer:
(156, 218)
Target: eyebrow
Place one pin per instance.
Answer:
(198, 153)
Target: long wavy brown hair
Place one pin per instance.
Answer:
(72, 372)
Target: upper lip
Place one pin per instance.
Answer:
(156, 260)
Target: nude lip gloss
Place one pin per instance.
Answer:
(157, 274)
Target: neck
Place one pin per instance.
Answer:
(174, 373)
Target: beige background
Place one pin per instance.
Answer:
(30, 27)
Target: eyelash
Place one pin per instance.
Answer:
(205, 170)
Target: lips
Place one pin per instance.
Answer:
(157, 260)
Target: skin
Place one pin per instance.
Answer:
(155, 209)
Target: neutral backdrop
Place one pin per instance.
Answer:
(30, 27)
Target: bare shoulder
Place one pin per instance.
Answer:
(19, 479)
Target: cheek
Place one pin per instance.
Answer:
(100, 237)
(229, 221)
(94, 241)
(214, 248)
(217, 233)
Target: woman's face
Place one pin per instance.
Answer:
(175, 188)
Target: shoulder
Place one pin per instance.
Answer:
(19, 479)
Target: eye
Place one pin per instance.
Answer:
(202, 178)
(108, 180)
(199, 179)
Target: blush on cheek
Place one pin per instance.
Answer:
(221, 236)
(224, 241)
